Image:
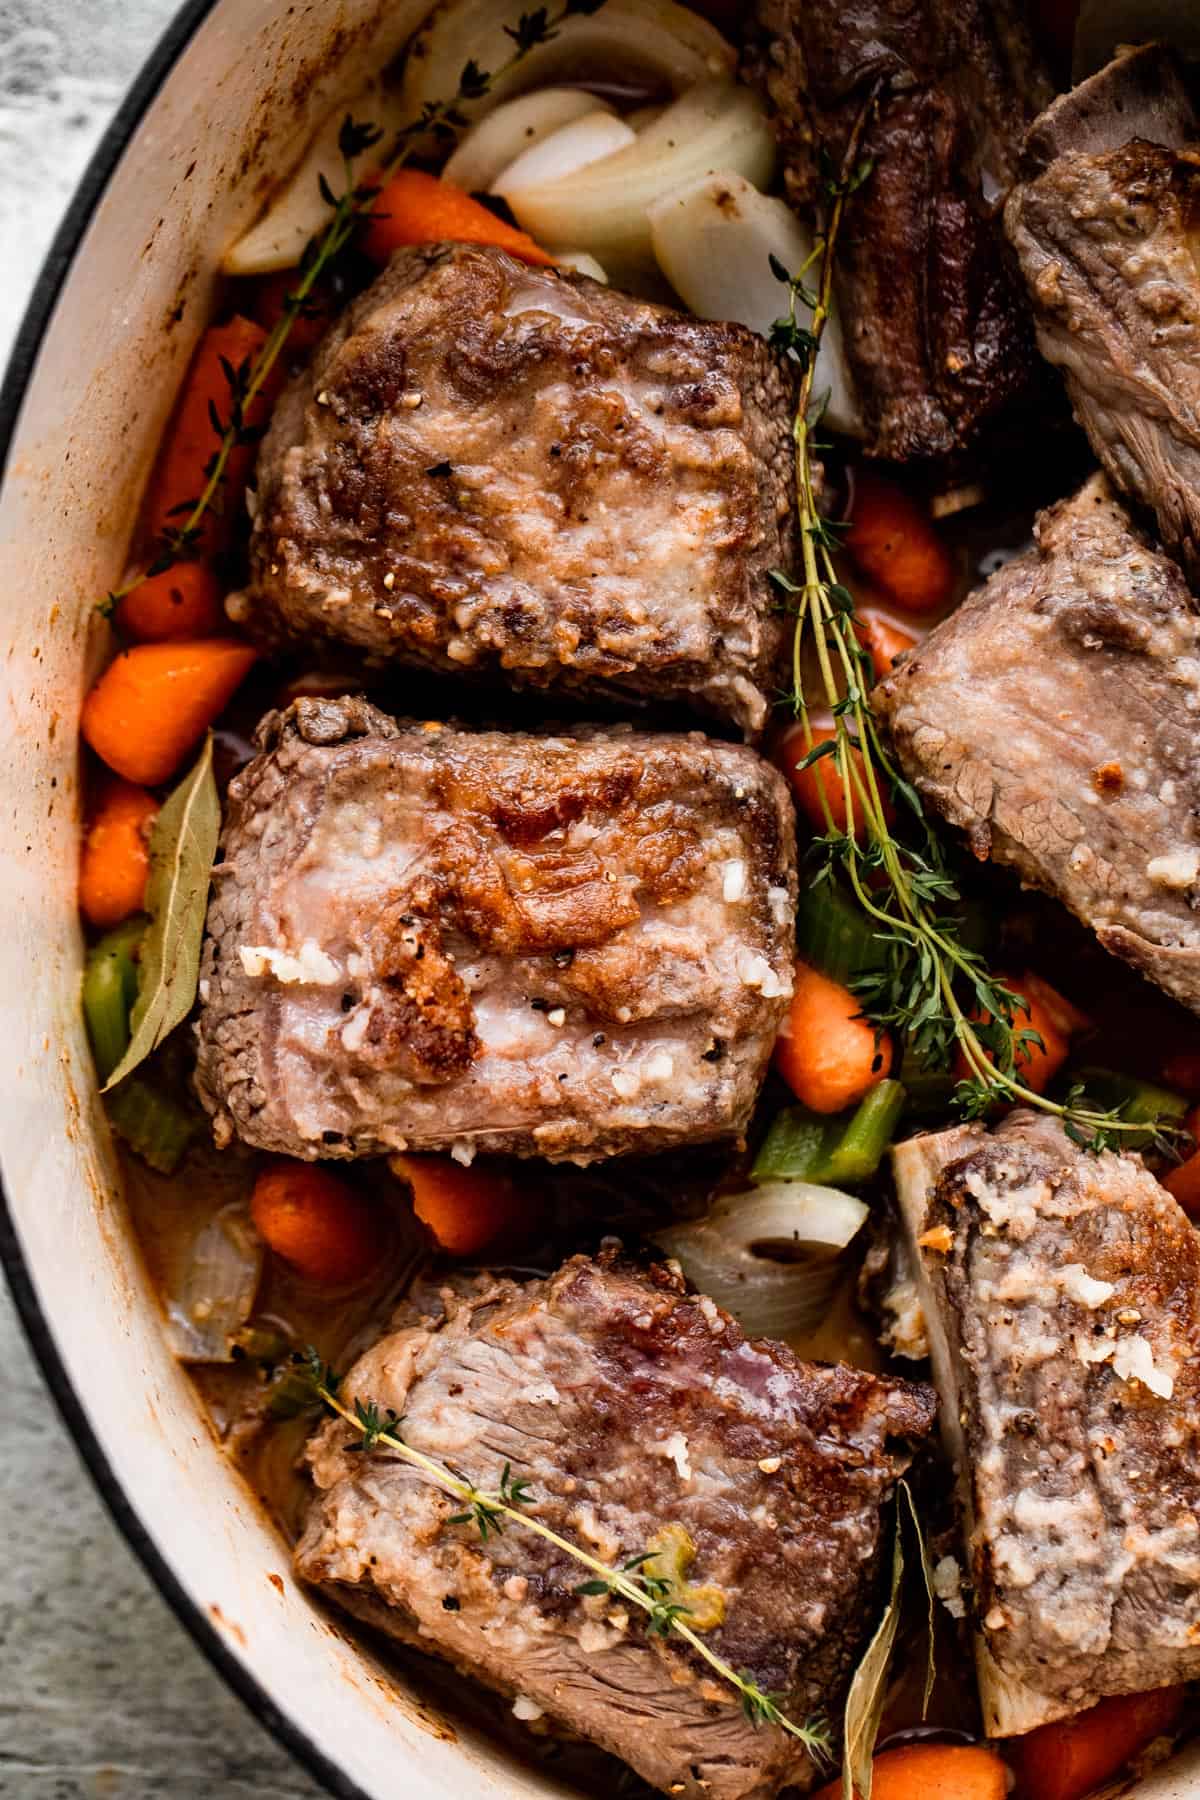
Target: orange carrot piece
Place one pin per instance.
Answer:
(464, 1208)
(932, 1772)
(1050, 1016)
(267, 296)
(1183, 1184)
(893, 540)
(415, 208)
(182, 602)
(154, 701)
(192, 439)
(826, 1052)
(821, 778)
(116, 857)
(316, 1222)
(884, 640)
(1067, 1759)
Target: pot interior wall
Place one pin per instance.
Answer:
(233, 110)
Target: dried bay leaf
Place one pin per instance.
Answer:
(183, 843)
(864, 1702)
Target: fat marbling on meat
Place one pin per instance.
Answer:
(561, 946)
(1061, 1291)
(497, 469)
(1104, 223)
(936, 327)
(632, 1408)
(1054, 718)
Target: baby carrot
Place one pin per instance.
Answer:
(116, 857)
(464, 1208)
(932, 1772)
(1050, 1016)
(1183, 1184)
(823, 777)
(154, 701)
(415, 208)
(884, 640)
(892, 540)
(1069, 1758)
(826, 1052)
(316, 1222)
(182, 602)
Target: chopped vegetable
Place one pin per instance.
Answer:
(802, 1146)
(465, 1208)
(564, 152)
(415, 208)
(1183, 1071)
(829, 1055)
(153, 702)
(817, 781)
(1071, 1757)
(932, 1772)
(116, 857)
(884, 639)
(192, 438)
(1183, 1184)
(1138, 1100)
(110, 985)
(770, 1256)
(893, 541)
(316, 1222)
(153, 1124)
(1035, 1063)
(833, 934)
(185, 601)
(211, 1286)
(496, 142)
(269, 296)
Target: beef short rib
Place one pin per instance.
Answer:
(632, 1409)
(1061, 1290)
(1054, 716)
(560, 946)
(500, 470)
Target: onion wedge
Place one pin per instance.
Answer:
(575, 146)
(604, 207)
(578, 262)
(498, 140)
(210, 1294)
(714, 241)
(646, 44)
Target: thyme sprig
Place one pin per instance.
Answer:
(492, 1510)
(444, 120)
(931, 988)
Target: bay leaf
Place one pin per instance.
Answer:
(905, 1501)
(183, 843)
(868, 1689)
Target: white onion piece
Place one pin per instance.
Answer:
(566, 151)
(578, 261)
(489, 147)
(641, 116)
(647, 43)
(211, 1292)
(770, 1257)
(604, 207)
(714, 241)
(296, 211)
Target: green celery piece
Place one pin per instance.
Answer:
(834, 935)
(796, 1146)
(110, 984)
(859, 1150)
(848, 1148)
(1141, 1102)
(154, 1126)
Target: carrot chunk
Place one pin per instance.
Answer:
(826, 1052)
(1050, 1016)
(464, 1208)
(415, 208)
(316, 1222)
(822, 778)
(1067, 1759)
(268, 296)
(182, 602)
(116, 857)
(884, 640)
(192, 439)
(932, 1772)
(1183, 1183)
(892, 540)
(154, 701)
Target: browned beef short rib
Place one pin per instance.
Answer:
(561, 946)
(630, 1407)
(498, 469)
(1054, 718)
(935, 325)
(1062, 1297)
(1104, 223)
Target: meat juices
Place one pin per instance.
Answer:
(1104, 225)
(630, 1407)
(1062, 1298)
(935, 324)
(437, 939)
(1053, 718)
(496, 469)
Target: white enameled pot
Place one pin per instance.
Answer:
(220, 110)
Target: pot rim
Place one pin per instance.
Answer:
(51, 280)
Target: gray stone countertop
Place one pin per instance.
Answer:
(103, 1696)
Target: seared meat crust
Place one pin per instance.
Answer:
(1105, 228)
(935, 325)
(555, 946)
(497, 469)
(1053, 718)
(629, 1406)
(1065, 1323)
